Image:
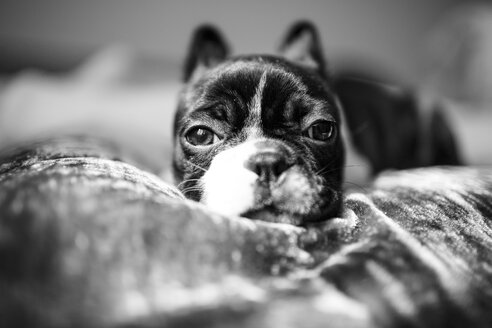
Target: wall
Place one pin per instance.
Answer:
(388, 32)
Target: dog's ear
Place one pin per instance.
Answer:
(207, 49)
(301, 45)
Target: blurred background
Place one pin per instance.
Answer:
(112, 67)
(57, 34)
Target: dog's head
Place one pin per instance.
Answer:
(258, 136)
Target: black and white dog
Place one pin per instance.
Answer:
(260, 136)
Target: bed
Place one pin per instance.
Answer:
(89, 240)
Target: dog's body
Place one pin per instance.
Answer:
(260, 136)
(394, 128)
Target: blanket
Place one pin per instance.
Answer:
(89, 240)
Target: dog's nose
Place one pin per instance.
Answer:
(268, 165)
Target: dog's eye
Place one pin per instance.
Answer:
(321, 131)
(201, 136)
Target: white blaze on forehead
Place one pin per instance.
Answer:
(255, 106)
(253, 122)
(228, 186)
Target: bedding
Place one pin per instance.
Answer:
(88, 240)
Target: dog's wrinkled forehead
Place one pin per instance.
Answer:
(260, 90)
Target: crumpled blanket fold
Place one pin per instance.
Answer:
(88, 240)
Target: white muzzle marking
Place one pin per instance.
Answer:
(228, 186)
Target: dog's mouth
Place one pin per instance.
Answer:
(289, 211)
(293, 199)
(272, 214)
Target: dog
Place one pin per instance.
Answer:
(260, 136)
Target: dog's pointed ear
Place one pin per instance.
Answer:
(207, 49)
(301, 45)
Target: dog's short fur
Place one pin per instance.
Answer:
(393, 127)
(259, 136)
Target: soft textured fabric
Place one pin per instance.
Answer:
(87, 240)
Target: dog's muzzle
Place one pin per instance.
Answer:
(260, 176)
(269, 163)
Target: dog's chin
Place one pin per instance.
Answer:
(274, 215)
(283, 214)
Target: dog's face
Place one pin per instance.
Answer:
(258, 136)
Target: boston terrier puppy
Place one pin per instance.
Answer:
(259, 136)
